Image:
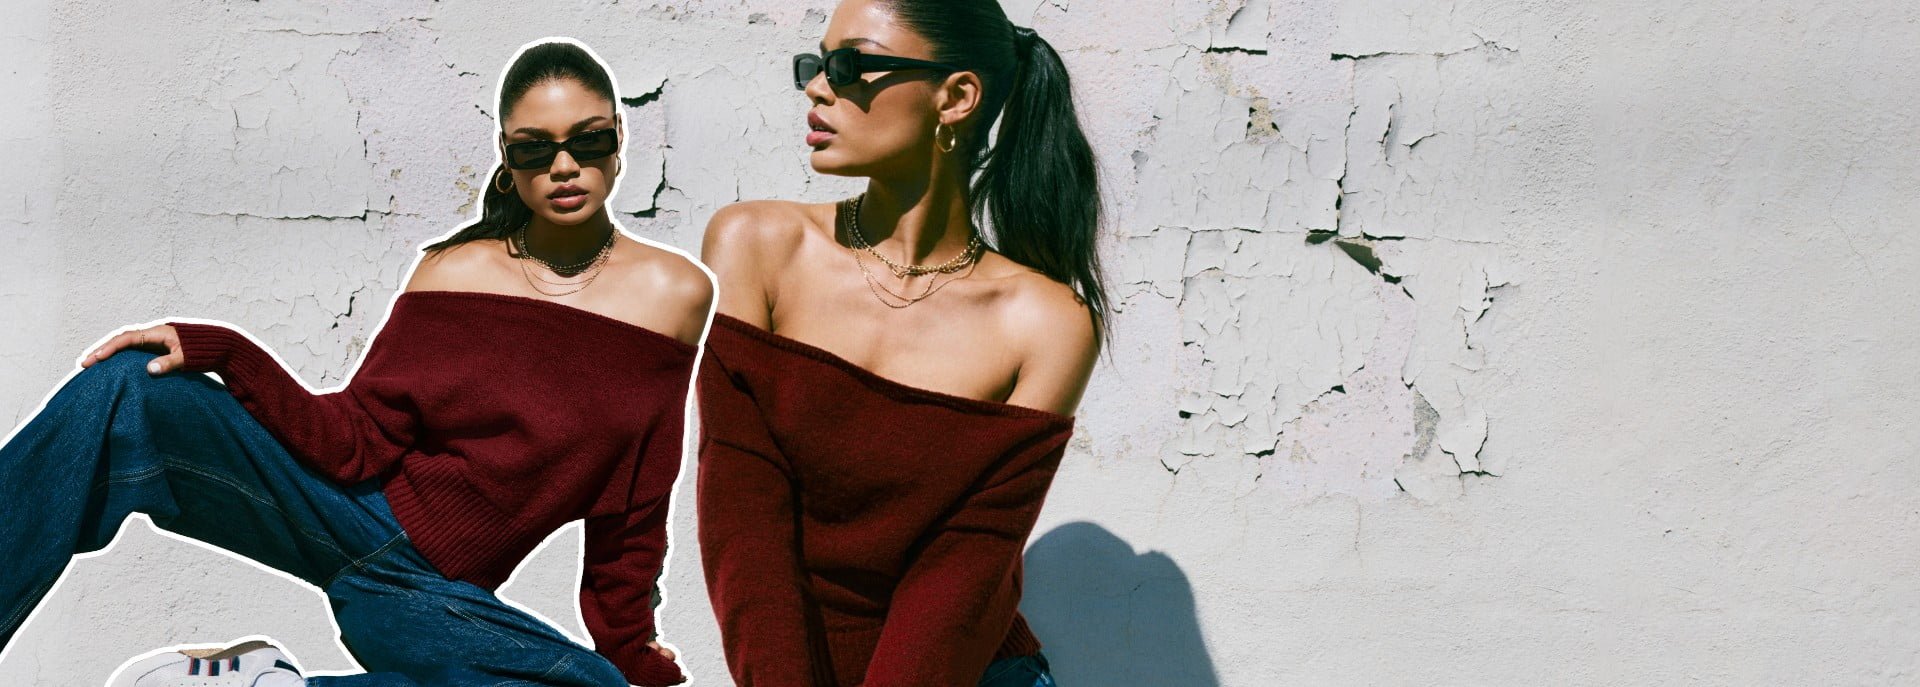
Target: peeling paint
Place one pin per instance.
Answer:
(1429, 315)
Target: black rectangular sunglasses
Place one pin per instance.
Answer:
(844, 66)
(583, 146)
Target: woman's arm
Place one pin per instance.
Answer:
(954, 606)
(746, 245)
(352, 434)
(618, 591)
(625, 552)
(749, 546)
(952, 609)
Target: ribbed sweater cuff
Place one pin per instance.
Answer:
(213, 348)
(645, 667)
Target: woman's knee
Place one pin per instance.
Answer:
(105, 380)
(121, 387)
(118, 369)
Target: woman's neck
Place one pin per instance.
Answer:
(565, 245)
(923, 222)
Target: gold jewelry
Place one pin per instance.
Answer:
(496, 181)
(859, 240)
(953, 138)
(518, 242)
(933, 286)
(578, 286)
(874, 283)
(592, 268)
(850, 217)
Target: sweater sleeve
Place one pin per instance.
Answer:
(618, 591)
(620, 576)
(748, 543)
(955, 604)
(351, 435)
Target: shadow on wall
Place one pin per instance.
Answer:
(1108, 616)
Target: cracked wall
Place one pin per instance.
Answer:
(1459, 342)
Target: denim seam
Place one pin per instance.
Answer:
(564, 662)
(360, 564)
(175, 462)
(483, 626)
(135, 476)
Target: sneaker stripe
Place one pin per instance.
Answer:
(233, 663)
(215, 667)
(277, 663)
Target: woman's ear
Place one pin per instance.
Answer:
(958, 97)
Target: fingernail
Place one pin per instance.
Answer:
(153, 368)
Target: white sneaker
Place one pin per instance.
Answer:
(256, 663)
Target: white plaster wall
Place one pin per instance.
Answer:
(1626, 396)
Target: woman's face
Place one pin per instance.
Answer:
(881, 125)
(567, 191)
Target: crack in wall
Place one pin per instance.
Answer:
(1284, 330)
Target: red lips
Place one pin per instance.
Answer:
(821, 131)
(817, 122)
(567, 198)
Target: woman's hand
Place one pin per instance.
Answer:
(663, 650)
(161, 339)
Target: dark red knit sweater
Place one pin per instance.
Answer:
(493, 421)
(859, 531)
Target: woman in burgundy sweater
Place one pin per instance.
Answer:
(887, 394)
(533, 372)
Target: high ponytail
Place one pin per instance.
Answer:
(1037, 185)
(502, 212)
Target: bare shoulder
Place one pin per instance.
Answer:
(671, 284)
(464, 267)
(1057, 337)
(754, 232)
(674, 277)
(749, 243)
(1050, 315)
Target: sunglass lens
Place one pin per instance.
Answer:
(805, 67)
(841, 69)
(594, 146)
(530, 155)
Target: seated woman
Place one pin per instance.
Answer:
(533, 372)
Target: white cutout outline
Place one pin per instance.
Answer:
(673, 504)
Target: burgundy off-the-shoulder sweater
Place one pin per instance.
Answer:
(859, 531)
(493, 421)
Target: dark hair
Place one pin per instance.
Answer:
(1037, 184)
(503, 213)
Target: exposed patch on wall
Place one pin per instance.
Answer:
(1305, 226)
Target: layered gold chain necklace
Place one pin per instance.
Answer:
(857, 244)
(590, 267)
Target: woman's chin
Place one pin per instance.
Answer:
(828, 162)
(568, 218)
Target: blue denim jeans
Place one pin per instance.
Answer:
(115, 441)
(1019, 671)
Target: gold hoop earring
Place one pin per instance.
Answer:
(496, 181)
(953, 138)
